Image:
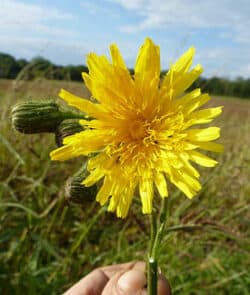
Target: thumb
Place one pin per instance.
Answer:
(130, 282)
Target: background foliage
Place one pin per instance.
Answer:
(46, 244)
(38, 67)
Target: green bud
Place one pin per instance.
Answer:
(39, 116)
(77, 192)
(66, 128)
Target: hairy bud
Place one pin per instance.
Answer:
(66, 128)
(77, 192)
(39, 116)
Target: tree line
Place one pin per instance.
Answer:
(39, 67)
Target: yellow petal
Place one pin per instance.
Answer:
(187, 98)
(210, 146)
(113, 202)
(178, 79)
(94, 124)
(206, 114)
(190, 101)
(148, 61)
(113, 89)
(203, 116)
(177, 179)
(116, 192)
(82, 104)
(87, 81)
(98, 66)
(206, 134)
(201, 159)
(124, 198)
(186, 79)
(97, 161)
(146, 193)
(185, 61)
(191, 181)
(123, 205)
(117, 58)
(93, 177)
(88, 141)
(63, 153)
(104, 192)
(161, 184)
(196, 103)
(189, 168)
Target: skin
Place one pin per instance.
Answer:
(120, 279)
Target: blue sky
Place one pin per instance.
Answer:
(65, 31)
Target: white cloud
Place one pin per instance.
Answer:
(90, 7)
(28, 30)
(95, 9)
(227, 21)
(225, 62)
(245, 70)
(224, 14)
(21, 18)
(16, 12)
(58, 51)
(130, 4)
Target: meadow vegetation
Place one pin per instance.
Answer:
(46, 244)
(41, 68)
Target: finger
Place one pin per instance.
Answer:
(131, 282)
(111, 270)
(100, 276)
(139, 265)
(163, 287)
(92, 284)
(134, 282)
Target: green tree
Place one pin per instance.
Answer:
(9, 68)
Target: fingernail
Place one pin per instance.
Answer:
(132, 280)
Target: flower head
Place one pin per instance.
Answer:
(142, 133)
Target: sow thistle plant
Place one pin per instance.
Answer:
(138, 134)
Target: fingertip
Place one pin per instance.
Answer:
(131, 281)
(85, 286)
(163, 286)
(140, 265)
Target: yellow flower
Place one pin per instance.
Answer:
(140, 132)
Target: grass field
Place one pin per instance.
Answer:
(46, 245)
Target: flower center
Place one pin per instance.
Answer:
(138, 129)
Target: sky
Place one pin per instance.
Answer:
(66, 31)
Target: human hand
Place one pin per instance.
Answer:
(120, 279)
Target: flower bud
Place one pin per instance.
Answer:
(66, 128)
(39, 116)
(78, 193)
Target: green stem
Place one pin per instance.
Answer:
(153, 227)
(156, 234)
(161, 227)
(152, 276)
(70, 115)
(151, 265)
